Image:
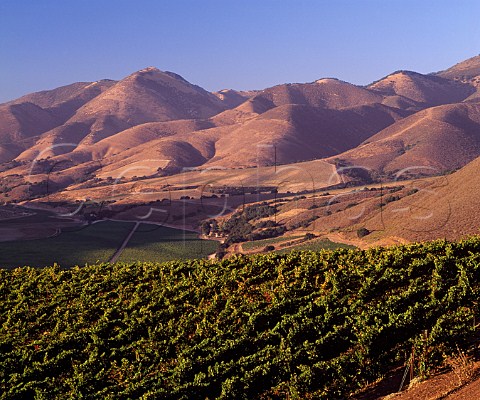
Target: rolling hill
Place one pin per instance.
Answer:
(417, 210)
(22, 121)
(421, 90)
(448, 208)
(464, 70)
(148, 95)
(156, 123)
(429, 142)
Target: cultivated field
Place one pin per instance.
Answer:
(316, 245)
(306, 325)
(152, 243)
(259, 244)
(79, 246)
(98, 243)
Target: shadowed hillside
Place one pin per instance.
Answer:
(155, 123)
(428, 142)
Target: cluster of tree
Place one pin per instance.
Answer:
(362, 232)
(266, 224)
(305, 223)
(392, 198)
(209, 226)
(257, 211)
(240, 227)
(267, 233)
(237, 229)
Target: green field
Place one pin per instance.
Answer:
(316, 245)
(40, 217)
(152, 243)
(90, 244)
(259, 244)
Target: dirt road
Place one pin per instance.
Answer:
(124, 244)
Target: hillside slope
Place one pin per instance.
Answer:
(23, 120)
(422, 90)
(464, 70)
(447, 208)
(430, 141)
(155, 122)
(146, 96)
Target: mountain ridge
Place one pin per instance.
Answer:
(152, 114)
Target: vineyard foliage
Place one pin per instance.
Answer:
(303, 325)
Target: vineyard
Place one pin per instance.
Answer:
(159, 243)
(304, 325)
(260, 244)
(74, 246)
(316, 245)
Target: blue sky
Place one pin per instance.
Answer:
(245, 44)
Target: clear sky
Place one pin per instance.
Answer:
(239, 44)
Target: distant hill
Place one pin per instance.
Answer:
(448, 208)
(24, 119)
(323, 93)
(233, 98)
(421, 90)
(464, 70)
(441, 138)
(157, 122)
(146, 96)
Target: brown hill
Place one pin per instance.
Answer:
(421, 90)
(400, 212)
(430, 141)
(285, 134)
(23, 119)
(152, 95)
(299, 132)
(20, 123)
(143, 133)
(145, 148)
(464, 70)
(448, 208)
(467, 72)
(293, 133)
(145, 96)
(155, 122)
(62, 102)
(233, 98)
(324, 93)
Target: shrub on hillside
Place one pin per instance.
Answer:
(362, 232)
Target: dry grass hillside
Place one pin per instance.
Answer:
(464, 70)
(293, 133)
(155, 123)
(22, 121)
(146, 96)
(285, 134)
(428, 142)
(64, 101)
(325, 93)
(20, 125)
(467, 72)
(448, 208)
(422, 90)
(233, 98)
(416, 210)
